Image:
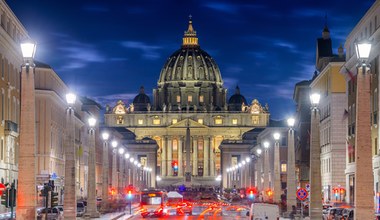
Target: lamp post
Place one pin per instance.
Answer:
(364, 187)
(126, 156)
(121, 170)
(70, 194)
(266, 168)
(291, 174)
(315, 161)
(26, 196)
(105, 136)
(114, 170)
(91, 200)
(277, 174)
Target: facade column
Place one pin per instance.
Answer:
(212, 156)
(276, 172)
(180, 156)
(206, 156)
(195, 156)
(170, 156)
(364, 186)
(163, 156)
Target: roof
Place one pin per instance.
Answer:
(41, 64)
(174, 194)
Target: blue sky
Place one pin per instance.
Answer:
(106, 50)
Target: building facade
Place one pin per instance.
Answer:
(12, 33)
(51, 133)
(189, 117)
(330, 84)
(366, 28)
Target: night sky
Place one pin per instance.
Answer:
(106, 50)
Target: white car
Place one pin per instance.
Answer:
(264, 211)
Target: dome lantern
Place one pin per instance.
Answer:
(190, 38)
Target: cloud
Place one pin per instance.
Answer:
(233, 69)
(309, 12)
(148, 51)
(230, 83)
(222, 7)
(75, 54)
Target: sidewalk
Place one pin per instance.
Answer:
(112, 216)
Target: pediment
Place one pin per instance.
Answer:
(187, 122)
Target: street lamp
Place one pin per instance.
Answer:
(70, 194)
(114, 168)
(315, 160)
(105, 167)
(291, 170)
(266, 169)
(91, 200)
(276, 172)
(26, 195)
(364, 186)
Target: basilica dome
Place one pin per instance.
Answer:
(190, 64)
(236, 101)
(141, 102)
(190, 79)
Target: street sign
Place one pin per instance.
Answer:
(302, 194)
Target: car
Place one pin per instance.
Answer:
(333, 213)
(81, 209)
(52, 213)
(348, 214)
(184, 208)
(262, 211)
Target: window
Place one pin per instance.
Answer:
(140, 121)
(178, 98)
(174, 121)
(234, 121)
(190, 98)
(2, 149)
(283, 168)
(201, 98)
(255, 119)
(200, 120)
(156, 121)
(218, 121)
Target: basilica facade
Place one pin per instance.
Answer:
(189, 119)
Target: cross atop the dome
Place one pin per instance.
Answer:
(190, 17)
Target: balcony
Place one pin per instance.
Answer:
(11, 128)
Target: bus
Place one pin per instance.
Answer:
(153, 203)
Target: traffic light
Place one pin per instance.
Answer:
(342, 191)
(12, 196)
(269, 192)
(251, 193)
(129, 194)
(113, 191)
(5, 198)
(54, 199)
(336, 192)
